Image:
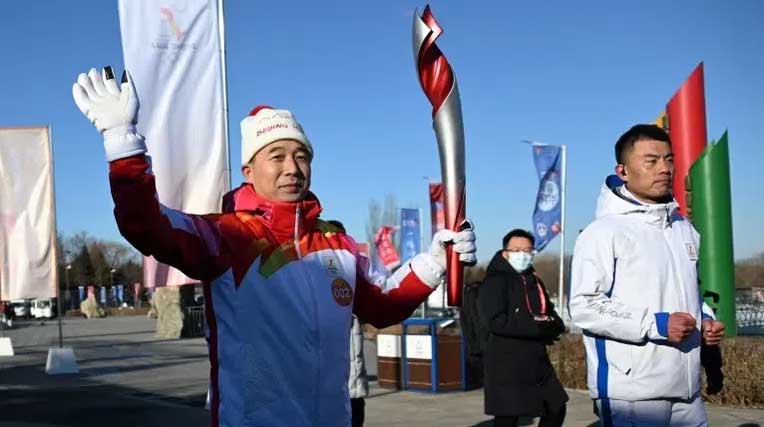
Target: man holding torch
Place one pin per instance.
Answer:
(281, 285)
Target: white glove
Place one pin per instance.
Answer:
(431, 267)
(463, 244)
(112, 109)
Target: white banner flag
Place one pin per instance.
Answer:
(27, 215)
(173, 52)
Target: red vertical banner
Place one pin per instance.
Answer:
(91, 291)
(437, 213)
(687, 127)
(385, 248)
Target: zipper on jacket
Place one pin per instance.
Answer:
(668, 217)
(297, 231)
(316, 413)
(681, 285)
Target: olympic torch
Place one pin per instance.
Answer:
(439, 85)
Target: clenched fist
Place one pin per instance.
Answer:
(713, 331)
(680, 326)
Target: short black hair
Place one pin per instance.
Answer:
(337, 224)
(518, 233)
(637, 133)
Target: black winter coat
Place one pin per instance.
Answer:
(519, 378)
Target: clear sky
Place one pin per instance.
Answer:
(574, 73)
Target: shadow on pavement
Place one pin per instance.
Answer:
(99, 406)
(29, 396)
(524, 421)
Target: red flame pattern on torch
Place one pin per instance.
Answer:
(435, 74)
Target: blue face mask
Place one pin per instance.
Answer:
(520, 261)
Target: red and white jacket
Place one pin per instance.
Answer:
(280, 287)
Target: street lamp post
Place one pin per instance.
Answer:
(60, 313)
(68, 289)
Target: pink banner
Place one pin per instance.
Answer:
(385, 249)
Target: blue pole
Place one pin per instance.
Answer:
(434, 364)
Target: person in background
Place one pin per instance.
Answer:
(521, 320)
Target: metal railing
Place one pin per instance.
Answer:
(193, 322)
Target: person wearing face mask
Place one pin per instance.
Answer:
(520, 318)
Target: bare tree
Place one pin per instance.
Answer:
(749, 273)
(92, 261)
(548, 269)
(373, 223)
(475, 273)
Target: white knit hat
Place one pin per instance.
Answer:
(265, 125)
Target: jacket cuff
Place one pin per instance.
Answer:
(428, 270)
(706, 312)
(122, 142)
(659, 328)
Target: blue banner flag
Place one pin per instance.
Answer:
(547, 213)
(411, 237)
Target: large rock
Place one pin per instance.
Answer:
(90, 308)
(166, 303)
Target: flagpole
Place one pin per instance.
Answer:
(221, 31)
(421, 249)
(55, 246)
(564, 152)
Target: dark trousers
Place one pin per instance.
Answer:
(358, 406)
(549, 419)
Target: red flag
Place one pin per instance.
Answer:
(385, 248)
(687, 127)
(437, 214)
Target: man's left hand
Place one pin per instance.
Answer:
(713, 331)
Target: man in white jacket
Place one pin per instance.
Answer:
(634, 292)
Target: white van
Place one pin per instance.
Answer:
(42, 308)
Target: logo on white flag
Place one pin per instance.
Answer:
(174, 30)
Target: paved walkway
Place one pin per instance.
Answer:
(129, 378)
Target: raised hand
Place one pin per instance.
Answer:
(112, 108)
